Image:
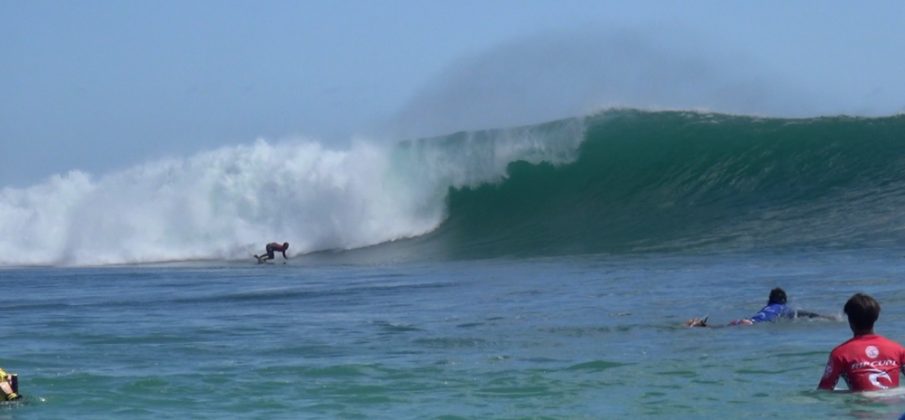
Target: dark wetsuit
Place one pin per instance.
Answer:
(272, 247)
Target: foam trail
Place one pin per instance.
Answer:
(227, 203)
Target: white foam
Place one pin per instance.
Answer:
(227, 203)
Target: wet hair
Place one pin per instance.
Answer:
(285, 245)
(777, 295)
(862, 311)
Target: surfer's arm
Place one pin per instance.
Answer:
(809, 314)
(284, 256)
(830, 375)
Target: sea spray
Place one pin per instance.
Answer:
(226, 203)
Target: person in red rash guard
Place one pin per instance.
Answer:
(271, 247)
(868, 362)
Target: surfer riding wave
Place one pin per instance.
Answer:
(270, 249)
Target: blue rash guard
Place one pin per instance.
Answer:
(772, 312)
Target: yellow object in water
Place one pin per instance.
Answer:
(11, 379)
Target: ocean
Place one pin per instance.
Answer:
(542, 271)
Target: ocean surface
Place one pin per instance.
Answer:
(532, 272)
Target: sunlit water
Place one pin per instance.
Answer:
(577, 337)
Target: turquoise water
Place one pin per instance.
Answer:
(538, 271)
(594, 336)
(683, 181)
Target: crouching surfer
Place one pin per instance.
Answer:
(271, 249)
(775, 310)
(9, 385)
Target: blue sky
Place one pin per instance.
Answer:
(102, 85)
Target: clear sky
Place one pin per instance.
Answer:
(102, 85)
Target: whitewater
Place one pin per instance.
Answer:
(226, 203)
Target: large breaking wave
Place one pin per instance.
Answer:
(617, 181)
(227, 203)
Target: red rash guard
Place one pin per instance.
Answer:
(867, 362)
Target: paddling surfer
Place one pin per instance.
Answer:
(775, 310)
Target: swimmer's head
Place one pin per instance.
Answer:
(862, 311)
(777, 295)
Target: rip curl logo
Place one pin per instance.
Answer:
(875, 364)
(872, 352)
(874, 377)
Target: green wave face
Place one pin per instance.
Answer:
(668, 181)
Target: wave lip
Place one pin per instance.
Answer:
(679, 181)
